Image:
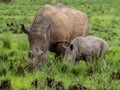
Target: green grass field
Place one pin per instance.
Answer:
(104, 22)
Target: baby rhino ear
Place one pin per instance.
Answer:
(64, 46)
(71, 46)
(25, 29)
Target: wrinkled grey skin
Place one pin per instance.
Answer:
(87, 48)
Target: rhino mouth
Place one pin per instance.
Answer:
(39, 61)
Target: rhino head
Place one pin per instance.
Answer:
(38, 43)
(70, 53)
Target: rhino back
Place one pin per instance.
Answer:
(82, 45)
(98, 44)
(66, 23)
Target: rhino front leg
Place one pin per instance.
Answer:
(88, 59)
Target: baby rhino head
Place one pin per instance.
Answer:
(70, 53)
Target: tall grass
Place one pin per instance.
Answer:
(104, 20)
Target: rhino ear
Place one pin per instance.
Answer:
(64, 46)
(24, 29)
(71, 46)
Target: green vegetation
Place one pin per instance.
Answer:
(104, 18)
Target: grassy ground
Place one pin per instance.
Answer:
(104, 18)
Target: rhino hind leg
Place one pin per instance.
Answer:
(102, 57)
(103, 62)
(103, 53)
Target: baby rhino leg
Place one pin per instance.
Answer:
(88, 58)
(103, 57)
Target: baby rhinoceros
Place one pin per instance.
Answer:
(87, 48)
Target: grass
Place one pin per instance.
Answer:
(104, 18)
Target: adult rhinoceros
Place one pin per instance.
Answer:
(53, 27)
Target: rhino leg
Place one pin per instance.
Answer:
(103, 53)
(88, 59)
(103, 59)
